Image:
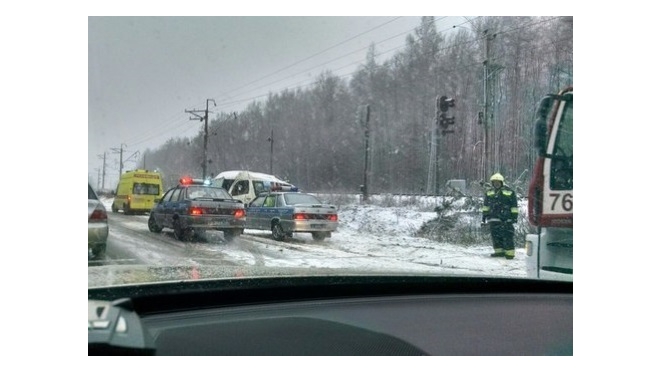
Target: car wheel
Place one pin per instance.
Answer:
(114, 208)
(278, 232)
(153, 226)
(319, 236)
(97, 252)
(181, 234)
(127, 209)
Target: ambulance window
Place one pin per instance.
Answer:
(153, 189)
(226, 184)
(138, 189)
(240, 188)
(258, 186)
(145, 189)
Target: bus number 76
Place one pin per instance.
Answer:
(566, 201)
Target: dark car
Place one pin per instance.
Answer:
(194, 207)
(285, 213)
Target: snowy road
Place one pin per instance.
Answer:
(369, 238)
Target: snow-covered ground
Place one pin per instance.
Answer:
(379, 238)
(374, 238)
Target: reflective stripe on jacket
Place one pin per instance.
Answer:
(500, 204)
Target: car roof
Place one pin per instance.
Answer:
(284, 192)
(231, 174)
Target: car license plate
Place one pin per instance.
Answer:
(317, 226)
(216, 222)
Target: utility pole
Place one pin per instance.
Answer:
(206, 135)
(430, 180)
(121, 158)
(436, 178)
(204, 118)
(103, 178)
(271, 139)
(365, 188)
(485, 120)
(442, 105)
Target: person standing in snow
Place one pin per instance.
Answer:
(500, 211)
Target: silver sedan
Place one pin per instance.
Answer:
(97, 225)
(285, 213)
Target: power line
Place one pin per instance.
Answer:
(142, 139)
(313, 55)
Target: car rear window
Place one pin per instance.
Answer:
(300, 198)
(91, 195)
(207, 192)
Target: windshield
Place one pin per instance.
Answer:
(411, 137)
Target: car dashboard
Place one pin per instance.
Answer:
(344, 316)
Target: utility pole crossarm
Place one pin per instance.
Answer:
(121, 157)
(204, 118)
(198, 118)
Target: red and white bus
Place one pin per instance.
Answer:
(549, 247)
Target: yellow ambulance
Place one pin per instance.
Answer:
(137, 191)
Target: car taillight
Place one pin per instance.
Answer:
(239, 213)
(195, 211)
(332, 217)
(99, 215)
(299, 216)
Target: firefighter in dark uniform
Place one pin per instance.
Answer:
(500, 211)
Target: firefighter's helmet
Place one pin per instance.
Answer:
(497, 177)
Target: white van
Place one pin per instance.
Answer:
(247, 185)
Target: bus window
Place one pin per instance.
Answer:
(561, 168)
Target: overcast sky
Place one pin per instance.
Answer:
(145, 72)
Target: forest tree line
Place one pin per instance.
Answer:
(319, 132)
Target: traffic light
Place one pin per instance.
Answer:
(442, 119)
(445, 103)
(445, 122)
